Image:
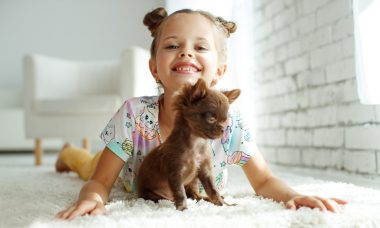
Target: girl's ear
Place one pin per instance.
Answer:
(153, 69)
(220, 71)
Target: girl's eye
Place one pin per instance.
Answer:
(201, 48)
(172, 46)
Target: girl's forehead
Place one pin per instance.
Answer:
(187, 24)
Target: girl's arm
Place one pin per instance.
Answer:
(266, 184)
(94, 194)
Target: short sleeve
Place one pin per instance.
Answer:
(239, 144)
(117, 135)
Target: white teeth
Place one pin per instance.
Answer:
(186, 68)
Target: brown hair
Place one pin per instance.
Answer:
(154, 19)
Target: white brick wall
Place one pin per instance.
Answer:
(325, 55)
(322, 116)
(306, 105)
(363, 137)
(355, 113)
(347, 92)
(333, 11)
(340, 71)
(316, 157)
(299, 137)
(270, 154)
(296, 65)
(328, 137)
(309, 7)
(360, 161)
(289, 156)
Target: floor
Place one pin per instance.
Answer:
(30, 196)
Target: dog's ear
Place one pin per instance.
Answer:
(198, 91)
(194, 93)
(190, 94)
(232, 95)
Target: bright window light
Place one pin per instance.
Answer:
(367, 42)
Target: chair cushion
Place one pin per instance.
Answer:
(78, 105)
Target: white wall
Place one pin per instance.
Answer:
(307, 107)
(79, 30)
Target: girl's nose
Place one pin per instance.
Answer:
(186, 53)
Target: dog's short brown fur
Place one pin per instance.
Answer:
(173, 169)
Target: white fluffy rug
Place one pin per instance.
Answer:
(30, 196)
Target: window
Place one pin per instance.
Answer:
(367, 50)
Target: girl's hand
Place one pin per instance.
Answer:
(83, 207)
(323, 204)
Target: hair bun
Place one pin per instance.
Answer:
(229, 26)
(154, 18)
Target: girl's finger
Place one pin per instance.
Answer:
(59, 214)
(339, 201)
(310, 202)
(80, 210)
(97, 211)
(329, 204)
(290, 205)
(65, 213)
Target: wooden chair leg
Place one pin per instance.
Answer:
(38, 152)
(86, 143)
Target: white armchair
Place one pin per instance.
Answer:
(75, 100)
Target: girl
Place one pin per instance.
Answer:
(187, 45)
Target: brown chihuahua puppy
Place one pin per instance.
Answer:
(173, 169)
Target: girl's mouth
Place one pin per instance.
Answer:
(186, 68)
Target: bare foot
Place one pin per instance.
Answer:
(60, 166)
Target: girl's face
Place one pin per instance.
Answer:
(186, 51)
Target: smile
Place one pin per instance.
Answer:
(186, 68)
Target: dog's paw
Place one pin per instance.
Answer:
(181, 206)
(230, 204)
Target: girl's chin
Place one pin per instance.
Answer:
(189, 79)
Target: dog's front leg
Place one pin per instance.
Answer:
(208, 182)
(178, 190)
(212, 193)
(192, 190)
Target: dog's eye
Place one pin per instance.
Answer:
(209, 117)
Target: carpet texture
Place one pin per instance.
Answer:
(30, 196)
